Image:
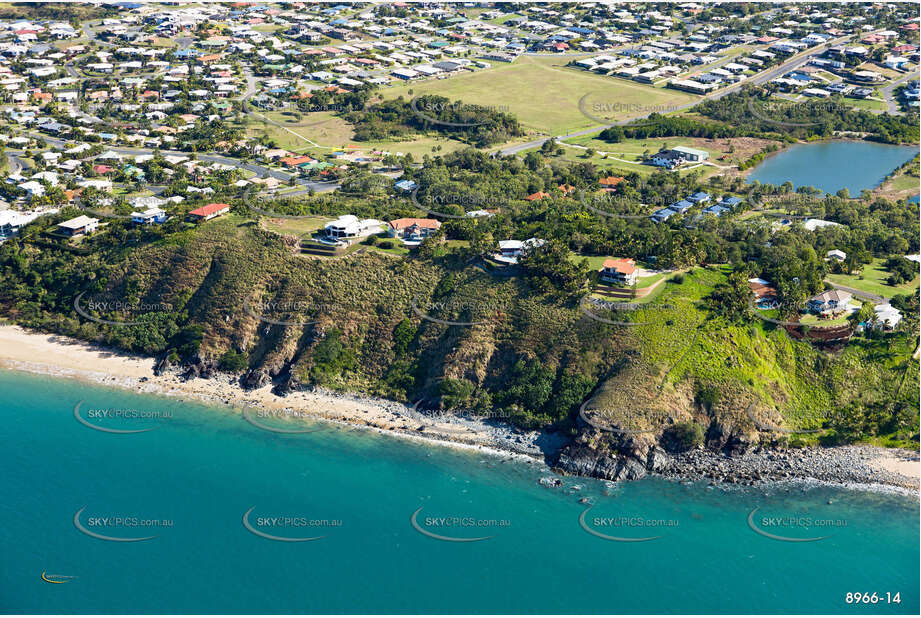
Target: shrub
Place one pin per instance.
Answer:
(233, 361)
(684, 436)
(386, 244)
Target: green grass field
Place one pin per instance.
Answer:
(872, 279)
(867, 104)
(329, 132)
(905, 182)
(544, 94)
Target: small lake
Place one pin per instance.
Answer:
(832, 166)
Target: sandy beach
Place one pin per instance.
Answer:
(64, 357)
(59, 356)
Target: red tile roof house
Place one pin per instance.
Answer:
(610, 181)
(295, 161)
(411, 230)
(209, 212)
(537, 196)
(765, 293)
(620, 271)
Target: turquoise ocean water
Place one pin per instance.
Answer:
(202, 468)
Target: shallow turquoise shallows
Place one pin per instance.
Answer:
(832, 166)
(202, 468)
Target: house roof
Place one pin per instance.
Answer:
(78, 222)
(209, 209)
(402, 224)
(625, 266)
(762, 288)
(610, 181)
(839, 296)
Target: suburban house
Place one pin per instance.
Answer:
(830, 301)
(609, 182)
(621, 271)
(673, 157)
(11, 221)
(511, 250)
(699, 198)
(149, 216)
(350, 226)
(411, 230)
(662, 214)
(836, 255)
(209, 211)
(78, 225)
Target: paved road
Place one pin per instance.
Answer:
(860, 293)
(788, 65)
(888, 92)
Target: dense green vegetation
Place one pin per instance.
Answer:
(396, 119)
(752, 112)
(753, 109)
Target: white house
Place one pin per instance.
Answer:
(78, 225)
(149, 216)
(511, 250)
(887, 316)
(836, 255)
(350, 226)
(831, 301)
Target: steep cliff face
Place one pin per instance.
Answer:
(613, 456)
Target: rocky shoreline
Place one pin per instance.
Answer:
(841, 465)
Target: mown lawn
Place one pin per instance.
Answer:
(872, 279)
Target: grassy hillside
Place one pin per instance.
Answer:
(729, 377)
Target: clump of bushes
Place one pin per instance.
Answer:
(683, 436)
(233, 361)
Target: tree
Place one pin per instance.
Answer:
(864, 315)
(731, 299)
